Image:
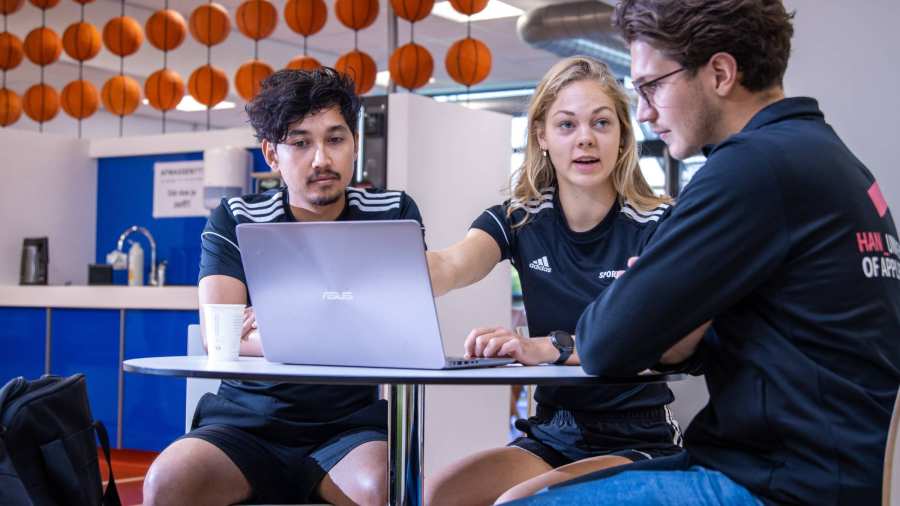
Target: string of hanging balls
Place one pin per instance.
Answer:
(468, 60)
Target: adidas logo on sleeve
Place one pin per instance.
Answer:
(541, 264)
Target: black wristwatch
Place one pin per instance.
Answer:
(564, 342)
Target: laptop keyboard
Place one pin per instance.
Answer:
(462, 363)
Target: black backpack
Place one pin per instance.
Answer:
(48, 450)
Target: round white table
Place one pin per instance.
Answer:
(406, 400)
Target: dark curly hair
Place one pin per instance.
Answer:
(290, 95)
(757, 33)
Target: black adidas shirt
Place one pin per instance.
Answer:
(285, 410)
(562, 272)
(784, 239)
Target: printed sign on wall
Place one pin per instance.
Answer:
(178, 189)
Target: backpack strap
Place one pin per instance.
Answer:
(12, 491)
(111, 496)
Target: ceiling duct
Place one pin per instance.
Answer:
(583, 27)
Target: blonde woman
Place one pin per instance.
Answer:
(579, 209)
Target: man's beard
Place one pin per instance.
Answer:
(326, 200)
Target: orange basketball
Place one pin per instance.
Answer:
(303, 63)
(81, 41)
(41, 103)
(9, 7)
(10, 107)
(208, 85)
(249, 76)
(166, 29)
(411, 66)
(123, 35)
(210, 24)
(121, 95)
(469, 7)
(42, 46)
(44, 4)
(80, 99)
(256, 18)
(412, 10)
(360, 67)
(356, 14)
(164, 89)
(305, 17)
(11, 51)
(468, 61)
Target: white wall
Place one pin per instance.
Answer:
(49, 189)
(454, 162)
(845, 55)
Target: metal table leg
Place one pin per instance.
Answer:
(406, 429)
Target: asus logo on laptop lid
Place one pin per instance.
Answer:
(337, 295)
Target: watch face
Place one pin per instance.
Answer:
(563, 339)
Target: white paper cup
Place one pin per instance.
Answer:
(223, 331)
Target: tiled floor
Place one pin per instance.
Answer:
(129, 468)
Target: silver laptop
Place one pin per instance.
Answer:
(347, 293)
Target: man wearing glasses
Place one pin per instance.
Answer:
(784, 240)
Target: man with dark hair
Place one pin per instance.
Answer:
(271, 442)
(784, 240)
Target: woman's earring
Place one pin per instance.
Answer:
(544, 152)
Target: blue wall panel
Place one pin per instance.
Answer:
(87, 341)
(22, 334)
(125, 198)
(153, 408)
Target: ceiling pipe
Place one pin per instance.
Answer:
(577, 28)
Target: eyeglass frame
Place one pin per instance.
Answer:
(641, 88)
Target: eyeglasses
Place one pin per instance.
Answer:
(648, 90)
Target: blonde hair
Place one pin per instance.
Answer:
(537, 172)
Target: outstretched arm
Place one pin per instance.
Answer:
(464, 263)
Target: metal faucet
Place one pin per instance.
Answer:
(154, 280)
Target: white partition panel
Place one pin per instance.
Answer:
(49, 189)
(454, 162)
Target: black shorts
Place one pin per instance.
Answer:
(280, 473)
(560, 436)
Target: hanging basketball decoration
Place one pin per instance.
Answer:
(8, 7)
(412, 10)
(80, 99)
(469, 7)
(42, 47)
(208, 85)
(123, 36)
(10, 107)
(360, 67)
(249, 77)
(166, 29)
(306, 17)
(11, 53)
(303, 63)
(210, 25)
(81, 42)
(256, 19)
(468, 61)
(41, 103)
(411, 65)
(121, 95)
(164, 89)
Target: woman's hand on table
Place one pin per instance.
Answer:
(489, 342)
(248, 329)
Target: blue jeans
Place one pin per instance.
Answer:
(696, 486)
